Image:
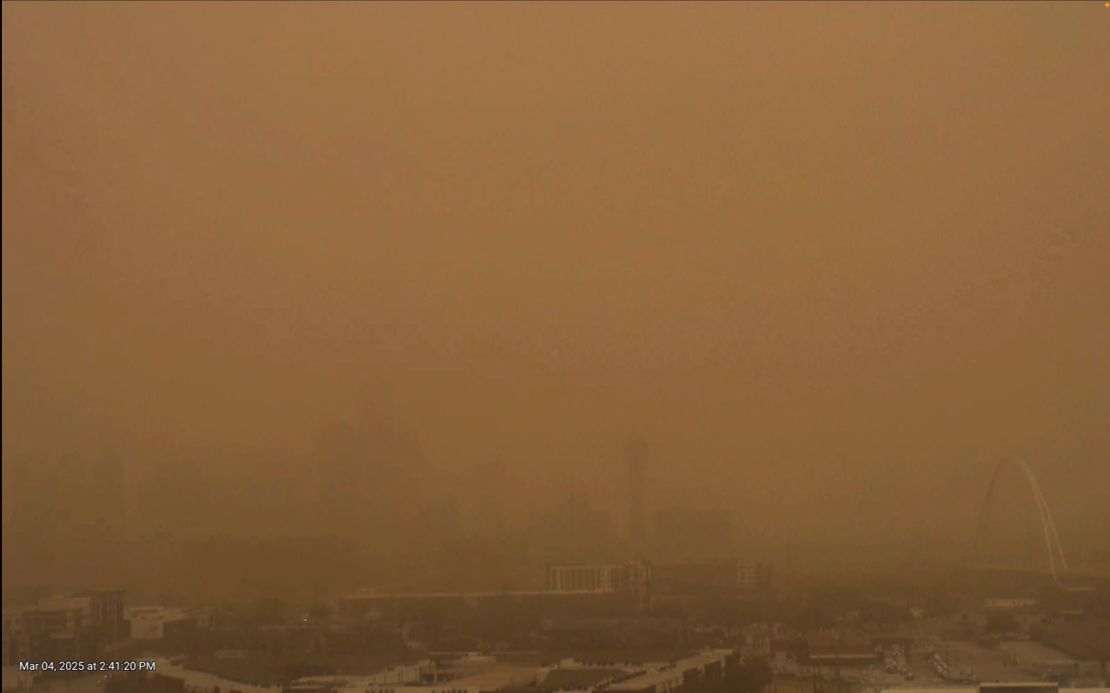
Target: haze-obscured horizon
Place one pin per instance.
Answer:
(830, 261)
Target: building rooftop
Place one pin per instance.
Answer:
(578, 678)
(1015, 685)
(465, 595)
(669, 671)
(63, 603)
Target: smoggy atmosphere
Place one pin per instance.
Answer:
(303, 299)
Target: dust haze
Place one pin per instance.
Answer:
(304, 299)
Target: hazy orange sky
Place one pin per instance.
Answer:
(831, 260)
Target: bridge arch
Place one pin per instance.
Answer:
(1057, 562)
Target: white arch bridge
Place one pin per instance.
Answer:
(1057, 561)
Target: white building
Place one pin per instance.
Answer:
(586, 578)
(202, 682)
(752, 576)
(149, 622)
(405, 675)
(1011, 687)
(671, 676)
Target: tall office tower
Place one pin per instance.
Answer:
(636, 457)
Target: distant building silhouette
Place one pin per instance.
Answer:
(686, 534)
(636, 459)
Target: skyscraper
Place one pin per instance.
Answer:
(636, 458)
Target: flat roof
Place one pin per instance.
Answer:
(975, 689)
(670, 671)
(470, 595)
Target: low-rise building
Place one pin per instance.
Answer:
(1010, 687)
(627, 578)
(193, 681)
(153, 622)
(674, 676)
(721, 578)
(581, 577)
(63, 627)
(753, 577)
